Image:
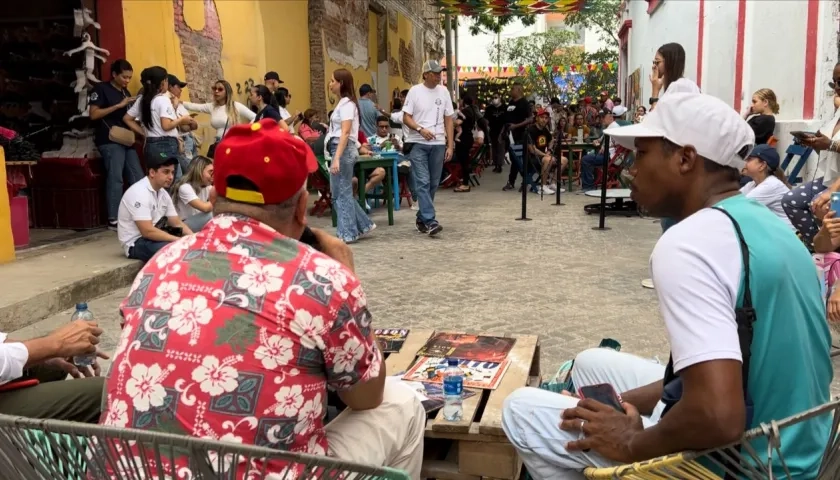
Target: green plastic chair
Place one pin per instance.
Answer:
(33, 449)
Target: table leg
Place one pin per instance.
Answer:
(389, 197)
(571, 169)
(396, 189)
(360, 176)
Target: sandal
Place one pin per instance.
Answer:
(462, 189)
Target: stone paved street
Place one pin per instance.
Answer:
(553, 276)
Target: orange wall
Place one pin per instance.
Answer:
(7, 243)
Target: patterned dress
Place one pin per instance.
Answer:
(235, 334)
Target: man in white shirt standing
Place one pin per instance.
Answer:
(142, 209)
(428, 115)
(37, 367)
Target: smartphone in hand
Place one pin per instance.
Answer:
(835, 203)
(802, 135)
(604, 393)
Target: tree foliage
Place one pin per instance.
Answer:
(485, 23)
(554, 47)
(601, 15)
(598, 80)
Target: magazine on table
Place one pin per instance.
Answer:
(431, 394)
(471, 347)
(477, 374)
(390, 340)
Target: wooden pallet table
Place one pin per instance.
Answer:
(474, 448)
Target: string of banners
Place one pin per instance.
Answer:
(584, 67)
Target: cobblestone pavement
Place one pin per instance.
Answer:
(553, 276)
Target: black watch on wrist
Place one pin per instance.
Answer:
(653, 100)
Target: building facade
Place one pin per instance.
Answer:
(735, 47)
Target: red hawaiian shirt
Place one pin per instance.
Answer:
(234, 334)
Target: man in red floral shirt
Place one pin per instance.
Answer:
(235, 333)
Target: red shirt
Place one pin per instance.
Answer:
(234, 334)
(362, 138)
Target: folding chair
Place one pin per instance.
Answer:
(614, 168)
(796, 149)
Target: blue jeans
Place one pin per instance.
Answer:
(517, 167)
(667, 223)
(351, 220)
(144, 250)
(119, 162)
(163, 147)
(198, 221)
(426, 167)
(587, 170)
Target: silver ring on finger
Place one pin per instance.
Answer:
(581, 426)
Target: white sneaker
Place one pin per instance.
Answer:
(367, 206)
(546, 190)
(648, 283)
(415, 206)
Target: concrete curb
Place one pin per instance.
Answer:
(43, 304)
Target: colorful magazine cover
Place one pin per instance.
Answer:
(477, 374)
(471, 347)
(390, 340)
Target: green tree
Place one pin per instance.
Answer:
(551, 48)
(599, 79)
(486, 23)
(601, 15)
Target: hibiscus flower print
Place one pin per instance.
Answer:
(190, 314)
(144, 387)
(117, 414)
(170, 253)
(239, 250)
(289, 401)
(227, 460)
(274, 351)
(307, 415)
(309, 329)
(332, 271)
(166, 295)
(223, 221)
(314, 447)
(214, 377)
(346, 357)
(260, 279)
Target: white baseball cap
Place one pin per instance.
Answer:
(619, 110)
(705, 122)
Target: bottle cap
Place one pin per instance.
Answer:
(81, 306)
(452, 362)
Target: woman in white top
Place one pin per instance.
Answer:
(157, 116)
(342, 145)
(193, 194)
(768, 186)
(224, 111)
(667, 73)
(809, 202)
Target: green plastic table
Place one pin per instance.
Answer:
(364, 164)
(569, 148)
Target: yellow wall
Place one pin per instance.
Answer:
(365, 75)
(7, 243)
(253, 43)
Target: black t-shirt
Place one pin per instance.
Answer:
(268, 112)
(495, 117)
(763, 126)
(105, 95)
(517, 112)
(541, 137)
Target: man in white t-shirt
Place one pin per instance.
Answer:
(186, 140)
(742, 306)
(428, 115)
(143, 207)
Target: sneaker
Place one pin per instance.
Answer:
(415, 206)
(367, 206)
(648, 283)
(370, 230)
(497, 169)
(546, 190)
(434, 228)
(508, 187)
(112, 225)
(421, 227)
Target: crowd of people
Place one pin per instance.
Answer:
(744, 302)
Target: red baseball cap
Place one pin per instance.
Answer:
(587, 100)
(277, 162)
(543, 111)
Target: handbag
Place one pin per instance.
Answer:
(121, 135)
(211, 152)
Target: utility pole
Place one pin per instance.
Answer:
(499, 53)
(455, 63)
(447, 30)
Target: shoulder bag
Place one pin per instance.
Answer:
(211, 152)
(120, 135)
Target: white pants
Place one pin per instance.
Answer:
(531, 417)
(389, 435)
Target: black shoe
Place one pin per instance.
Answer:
(508, 187)
(497, 169)
(433, 228)
(421, 227)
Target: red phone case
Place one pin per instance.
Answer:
(18, 384)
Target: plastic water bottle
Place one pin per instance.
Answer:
(453, 389)
(82, 313)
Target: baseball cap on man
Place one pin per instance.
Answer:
(766, 154)
(276, 162)
(433, 66)
(174, 81)
(542, 112)
(272, 76)
(619, 110)
(705, 122)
